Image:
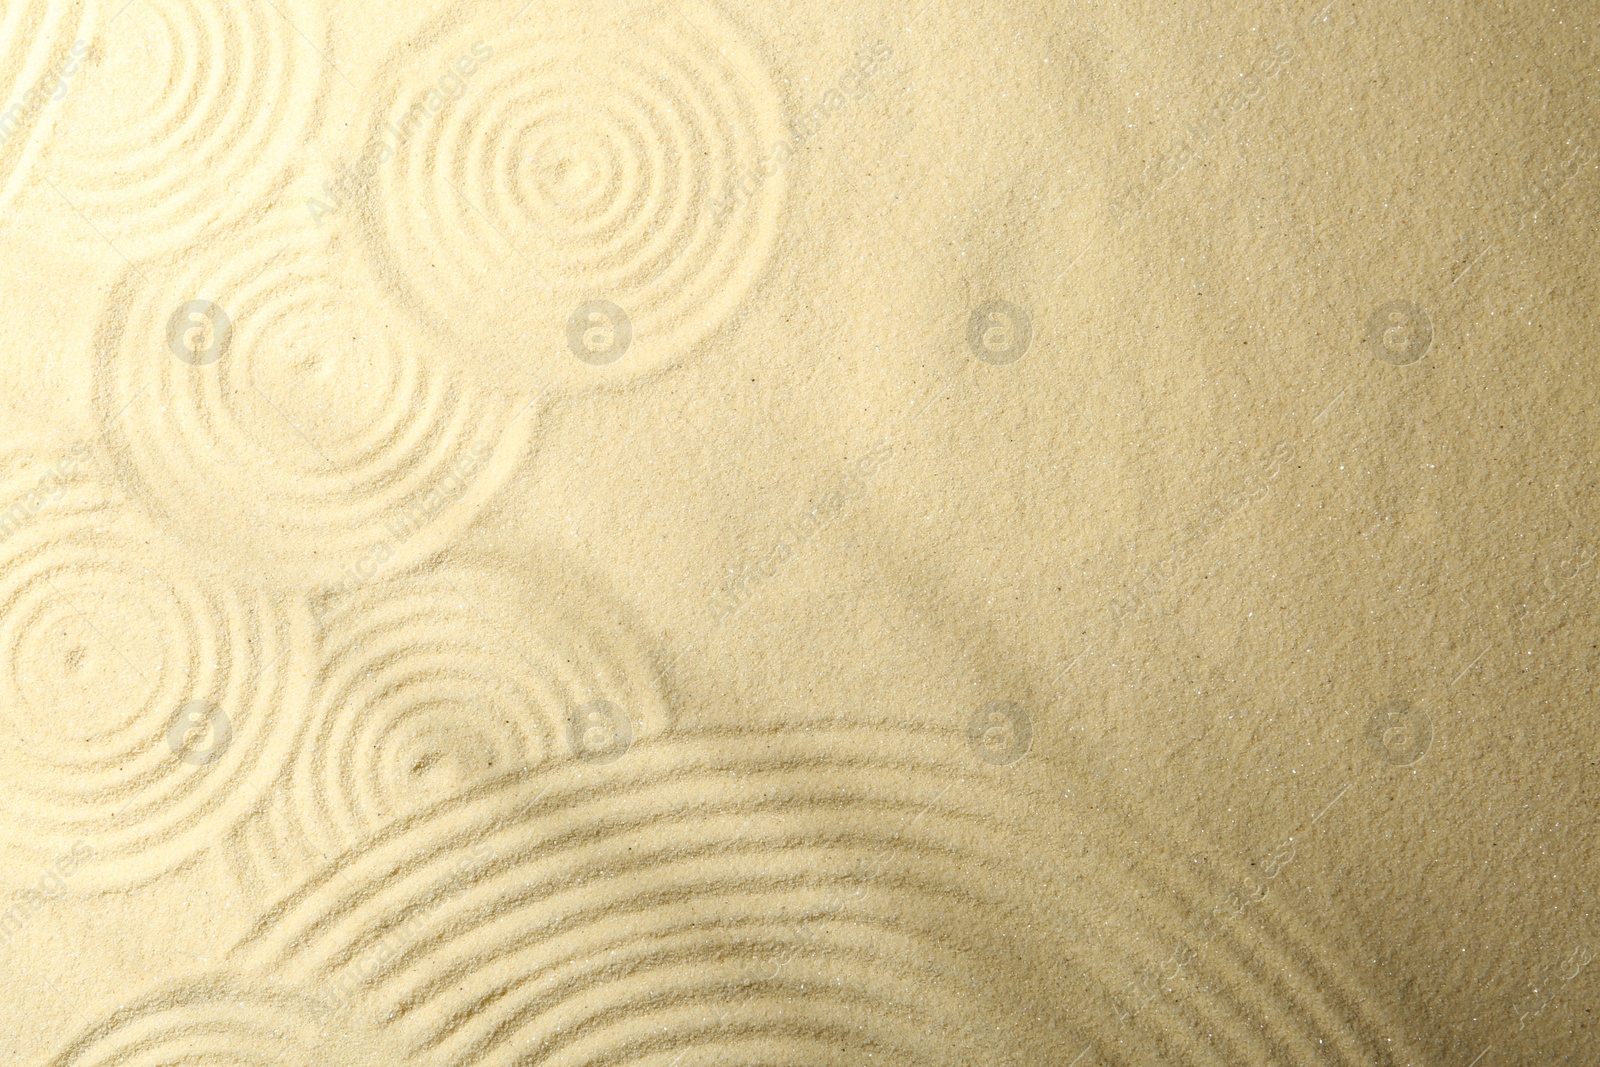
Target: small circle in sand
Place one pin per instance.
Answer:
(429, 686)
(319, 438)
(599, 332)
(198, 332)
(600, 731)
(1399, 733)
(190, 117)
(125, 665)
(1399, 332)
(199, 733)
(1000, 733)
(999, 332)
(574, 153)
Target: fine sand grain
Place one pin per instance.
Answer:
(702, 532)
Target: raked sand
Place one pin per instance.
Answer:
(712, 533)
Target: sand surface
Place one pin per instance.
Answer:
(722, 533)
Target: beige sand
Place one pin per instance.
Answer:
(703, 532)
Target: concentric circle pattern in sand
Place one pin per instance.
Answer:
(108, 630)
(298, 422)
(189, 118)
(774, 897)
(586, 157)
(218, 1021)
(431, 685)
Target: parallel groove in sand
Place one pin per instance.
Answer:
(493, 960)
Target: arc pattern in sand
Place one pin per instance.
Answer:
(37, 60)
(189, 117)
(219, 1021)
(771, 896)
(297, 424)
(1263, 989)
(107, 630)
(433, 684)
(597, 928)
(585, 158)
(48, 479)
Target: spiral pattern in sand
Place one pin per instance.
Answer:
(189, 117)
(108, 631)
(582, 157)
(299, 424)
